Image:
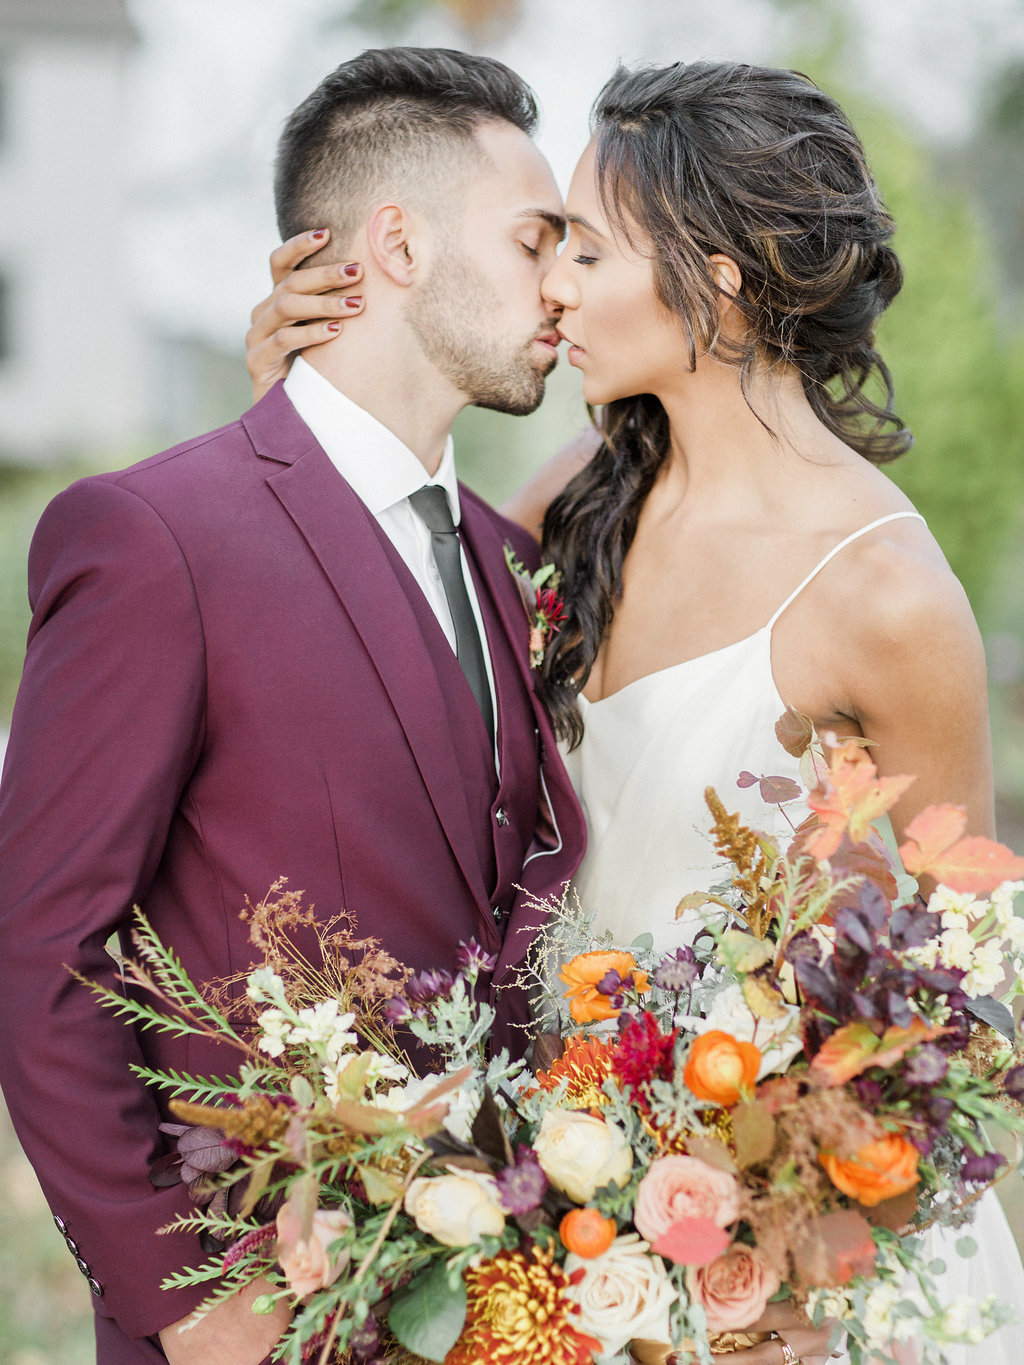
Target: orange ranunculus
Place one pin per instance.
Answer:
(720, 1067)
(878, 1170)
(582, 976)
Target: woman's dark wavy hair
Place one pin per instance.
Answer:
(762, 166)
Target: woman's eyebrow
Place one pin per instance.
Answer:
(577, 221)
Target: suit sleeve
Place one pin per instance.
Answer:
(106, 730)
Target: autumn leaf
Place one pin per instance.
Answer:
(753, 1131)
(762, 998)
(835, 1248)
(934, 848)
(698, 898)
(794, 731)
(692, 1241)
(851, 797)
(711, 1152)
(743, 952)
(380, 1187)
(854, 1047)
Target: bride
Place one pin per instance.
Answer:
(730, 547)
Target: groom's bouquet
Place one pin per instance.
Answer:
(779, 1109)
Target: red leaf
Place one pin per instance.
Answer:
(854, 1047)
(692, 1241)
(776, 790)
(745, 779)
(934, 830)
(794, 731)
(971, 865)
(837, 1246)
(852, 797)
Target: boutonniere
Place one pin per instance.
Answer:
(545, 609)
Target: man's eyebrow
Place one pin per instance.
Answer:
(554, 220)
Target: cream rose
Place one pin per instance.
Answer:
(304, 1261)
(677, 1187)
(456, 1209)
(778, 1039)
(579, 1153)
(734, 1288)
(624, 1293)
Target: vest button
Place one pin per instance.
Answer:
(501, 816)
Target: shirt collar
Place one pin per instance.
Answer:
(380, 468)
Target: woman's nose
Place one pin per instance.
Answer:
(557, 288)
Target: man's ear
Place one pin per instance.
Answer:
(395, 243)
(728, 277)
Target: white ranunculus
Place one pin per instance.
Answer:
(462, 1103)
(579, 1153)
(456, 1209)
(624, 1293)
(778, 1039)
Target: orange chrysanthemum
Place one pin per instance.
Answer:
(585, 1064)
(584, 974)
(518, 1312)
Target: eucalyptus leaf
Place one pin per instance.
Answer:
(302, 1092)
(643, 943)
(966, 1247)
(427, 1316)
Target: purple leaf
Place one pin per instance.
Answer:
(746, 779)
(775, 791)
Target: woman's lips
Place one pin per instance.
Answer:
(574, 352)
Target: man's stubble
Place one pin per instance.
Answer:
(447, 320)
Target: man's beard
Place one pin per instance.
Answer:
(446, 321)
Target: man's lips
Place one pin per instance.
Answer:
(551, 339)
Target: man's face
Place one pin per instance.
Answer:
(479, 316)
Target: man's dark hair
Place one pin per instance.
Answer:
(393, 119)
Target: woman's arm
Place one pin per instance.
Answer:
(528, 505)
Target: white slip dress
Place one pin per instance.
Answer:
(648, 753)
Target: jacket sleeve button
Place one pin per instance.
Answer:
(95, 1286)
(62, 1227)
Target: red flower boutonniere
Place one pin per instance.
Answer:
(545, 609)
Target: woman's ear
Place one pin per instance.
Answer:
(394, 242)
(727, 276)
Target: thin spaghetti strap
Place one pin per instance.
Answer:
(856, 535)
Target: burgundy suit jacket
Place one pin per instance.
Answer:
(231, 677)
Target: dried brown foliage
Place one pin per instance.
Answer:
(742, 847)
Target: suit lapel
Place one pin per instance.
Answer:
(347, 543)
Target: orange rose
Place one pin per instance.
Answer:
(583, 974)
(878, 1170)
(720, 1068)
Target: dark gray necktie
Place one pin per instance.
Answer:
(431, 505)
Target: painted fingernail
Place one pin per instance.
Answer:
(351, 271)
(333, 326)
(319, 235)
(354, 301)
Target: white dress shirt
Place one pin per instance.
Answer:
(382, 471)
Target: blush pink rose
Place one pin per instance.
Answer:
(678, 1187)
(305, 1262)
(734, 1288)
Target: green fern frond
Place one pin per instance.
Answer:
(171, 976)
(200, 1089)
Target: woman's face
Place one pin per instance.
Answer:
(620, 335)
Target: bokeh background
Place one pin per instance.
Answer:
(136, 138)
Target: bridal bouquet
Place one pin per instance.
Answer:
(780, 1108)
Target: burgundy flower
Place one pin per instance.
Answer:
(981, 1169)
(396, 1010)
(928, 1066)
(472, 959)
(1013, 1083)
(643, 1054)
(426, 986)
(677, 971)
(522, 1185)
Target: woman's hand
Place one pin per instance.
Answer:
(789, 1328)
(305, 308)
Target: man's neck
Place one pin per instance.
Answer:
(394, 384)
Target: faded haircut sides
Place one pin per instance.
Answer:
(394, 121)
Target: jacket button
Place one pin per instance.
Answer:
(72, 1245)
(62, 1227)
(501, 816)
(95, 1286)
(83, 1266)
(496, 912)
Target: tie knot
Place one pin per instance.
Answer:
(430, 503)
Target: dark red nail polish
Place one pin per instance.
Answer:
(351, 271)
(319, 235)
(334, 326)
(354, 301)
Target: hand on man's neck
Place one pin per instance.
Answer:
(378, 363)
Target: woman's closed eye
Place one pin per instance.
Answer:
(585, 260)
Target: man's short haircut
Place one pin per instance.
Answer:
(392, 120)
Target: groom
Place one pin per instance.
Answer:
(268, 652)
